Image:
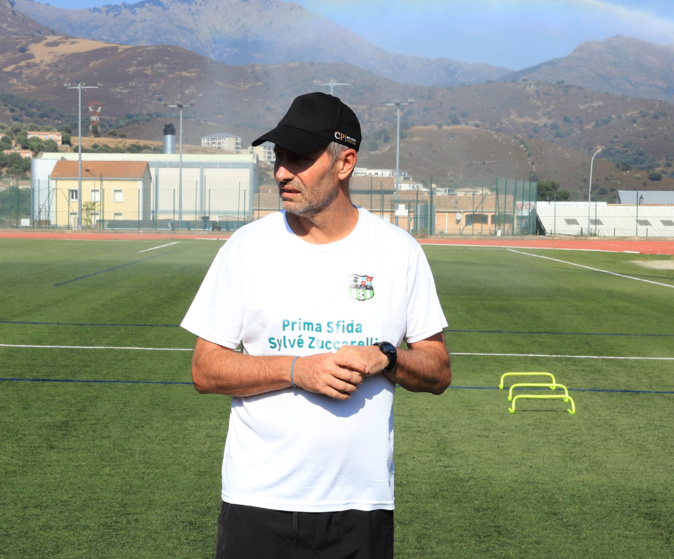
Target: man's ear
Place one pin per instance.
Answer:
(347, 163)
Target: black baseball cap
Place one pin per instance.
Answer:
(312, 122)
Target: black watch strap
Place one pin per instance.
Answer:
(388, 349)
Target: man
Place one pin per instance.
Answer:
(318, 297)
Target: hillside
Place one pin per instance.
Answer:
(13, 23)
(619, 65)
(241, 32)
(454, 135)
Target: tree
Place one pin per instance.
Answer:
(50, 146)
(88, 211)
(22, 139)
(549, 190)
(16, 165)
(35, 144)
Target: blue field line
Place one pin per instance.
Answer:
(557, 333)
(619, 390)
(35, 323)
(95, 381)
(105, 271)
(185, 383)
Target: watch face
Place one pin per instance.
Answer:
(387, 347)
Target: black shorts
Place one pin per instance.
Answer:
(255, 533)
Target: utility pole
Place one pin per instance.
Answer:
(589, 192)
(79, 86)
(398, 104)
(180, 107)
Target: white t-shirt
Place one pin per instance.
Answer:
(275, 294)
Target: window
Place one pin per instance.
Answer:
(117, 215)
(571, 221)
(118, 196)
(72, 195)
(644, 222)
(596, 222)
(479, 219)
(95, 195)
(667, 222)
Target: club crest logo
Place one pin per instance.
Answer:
(360, 287)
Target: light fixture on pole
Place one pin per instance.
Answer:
(398, 104)
(79, 86)
(180, 106)
(589, 192)
(332, 84)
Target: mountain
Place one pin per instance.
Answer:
(619, 65)
(455, 135)
(16, 24)
(243, 32)
(239, 32)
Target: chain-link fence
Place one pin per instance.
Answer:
(502, 207)
(15, 204)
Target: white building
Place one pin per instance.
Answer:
(365, 172)
(224, 141)
(604, 220)
(264, 152)
(219, 186)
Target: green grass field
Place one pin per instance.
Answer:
(106, 450)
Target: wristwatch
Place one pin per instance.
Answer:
(388, 349)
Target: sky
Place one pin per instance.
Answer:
(513, 34)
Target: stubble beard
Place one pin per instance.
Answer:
(313, 205)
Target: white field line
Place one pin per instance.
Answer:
(550, 356)
(593, 269)
(162, 246)
(509, 247)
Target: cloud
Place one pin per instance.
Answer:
(651, 21)
(513, 33)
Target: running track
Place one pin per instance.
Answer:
(639, 246)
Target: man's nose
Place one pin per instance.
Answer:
(282, 173)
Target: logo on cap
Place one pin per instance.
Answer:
(341, 137)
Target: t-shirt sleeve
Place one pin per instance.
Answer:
(216, 313)
(425, 316)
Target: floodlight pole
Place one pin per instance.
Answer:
(180, 106)
(398, 104)
(79, 87)
(589, 192)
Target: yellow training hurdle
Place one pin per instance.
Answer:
(504, 375)
(567, 398)
(536, 384)
(552, 385)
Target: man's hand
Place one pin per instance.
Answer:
(334, 374)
